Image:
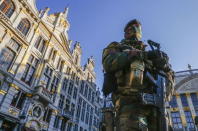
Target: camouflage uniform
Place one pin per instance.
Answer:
(119, 60)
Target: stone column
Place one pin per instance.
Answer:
(6, 36)
(60, 122)
(4, 33)
(193, 113)
(181, 110)
(51, 123)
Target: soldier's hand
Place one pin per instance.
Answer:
(134, 53)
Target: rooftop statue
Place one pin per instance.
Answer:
(139, 81)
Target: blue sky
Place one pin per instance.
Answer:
(96, 23)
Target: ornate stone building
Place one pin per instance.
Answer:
(42, 84)
(184, 104)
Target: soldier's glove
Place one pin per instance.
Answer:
(135, 54)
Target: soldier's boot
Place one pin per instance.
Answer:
(127, 123)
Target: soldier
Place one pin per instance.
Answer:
(125, 65)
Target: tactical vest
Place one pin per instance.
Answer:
(130, 80)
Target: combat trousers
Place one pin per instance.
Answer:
(131, 115)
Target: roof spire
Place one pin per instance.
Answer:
(65, 13)
(44, 13)
(46, 10)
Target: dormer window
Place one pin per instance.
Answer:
(68, 70)
(59, 63)
(76, 60)
(73, 75)
(61, 66)
(40, 44)
(7, 7)
(88, 76)
(91, 79)
(24, 26)
(54, 52)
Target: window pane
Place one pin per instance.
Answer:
(30, 58)
(35, 62)
(30, 74)
(15, 98)
(37, 42)
(70, 89)
(65, 84)
(14, 45)
(194, 100)
(173, 102)
(30, 69)
(176, 120)
(10, 11)
(24, 26)
(190, 123)
(3, 6)
(184, 100)
(25, 71)
(7, 7)
(42, 46)
(21, 101)
(63, 125)
(75, 93)
(6, 58)
(46, 80)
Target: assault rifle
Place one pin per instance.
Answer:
(159, 58)
(157, 76)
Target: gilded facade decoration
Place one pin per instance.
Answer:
(43, 85)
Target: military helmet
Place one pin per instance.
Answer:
(134, 21)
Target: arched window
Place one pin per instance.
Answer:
(24, 26)
(7, 7)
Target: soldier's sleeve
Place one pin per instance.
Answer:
(113, 58)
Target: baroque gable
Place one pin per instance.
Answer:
(58, 24)
(32, 3)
